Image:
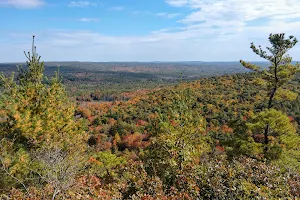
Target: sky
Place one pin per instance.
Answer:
(144, 30)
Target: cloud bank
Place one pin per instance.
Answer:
(22, 4)
(213, 30)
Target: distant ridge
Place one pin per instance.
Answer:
(157, 62)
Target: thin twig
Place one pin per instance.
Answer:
(12, 176)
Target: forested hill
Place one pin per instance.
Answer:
(192, 126)
(224, 102)
(110, 79)
(233, 136)
(170, 70)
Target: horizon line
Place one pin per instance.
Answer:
(16, 62)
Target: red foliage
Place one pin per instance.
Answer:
(291, 119)
(173, 123)
(91, 118)
(141, 123)
(220, 148)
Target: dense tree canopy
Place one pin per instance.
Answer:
(222, 137)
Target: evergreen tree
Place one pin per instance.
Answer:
(37, 116)
(280, 72)
(37, 113)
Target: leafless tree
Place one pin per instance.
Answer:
(58, 167)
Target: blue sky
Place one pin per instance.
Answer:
(144, 30)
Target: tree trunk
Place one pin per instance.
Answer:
(266, 133)
(271, 98)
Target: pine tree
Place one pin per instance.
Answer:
(37, 113)
(37, 117)
(279, 73)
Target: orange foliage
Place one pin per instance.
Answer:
(135, 140)
(112, 121)
(94, 160)
(85, 112)
(98, 129)
(226, 129)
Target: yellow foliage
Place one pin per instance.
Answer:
(285, 95)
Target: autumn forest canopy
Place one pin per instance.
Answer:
(147, 131)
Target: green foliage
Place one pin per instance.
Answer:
(35, 112)
(180, 138)
(290, 157)
(285, 95)
(105, 164)
(279, 73)
(278, 122)
(241, 142)
(36, 115)
(14, 164)
(281, 70)
(199, 140)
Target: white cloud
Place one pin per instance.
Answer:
(241, 19)
(168, 15)
(22, 4)
(195, 42)
(117, 8)
(89, 19)
(215, 12)
(83, 4)
(214, 30)
(177, 3)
